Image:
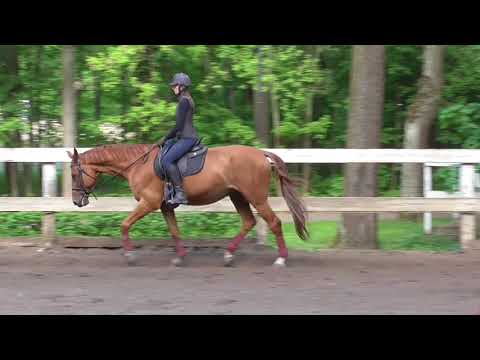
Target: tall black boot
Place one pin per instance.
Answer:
(176, 178)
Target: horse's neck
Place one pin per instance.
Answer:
(113, 160)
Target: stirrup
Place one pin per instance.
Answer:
(178, 199)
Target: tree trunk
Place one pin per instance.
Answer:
(314, 51)
(275, 125)
(307, 143)
(364, 126)
(35, 115)
(69, 106)
(20, 166)
(28, 142)
(98, 97)
(27, 167)
(125, 93)
(12, 179)
(11, 61)
(231, 99)
(420, 118)
(28, 173)
(208, 56)
(260, 108)
(274, 103)
(275, 119)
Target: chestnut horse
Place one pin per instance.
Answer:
(241, 172)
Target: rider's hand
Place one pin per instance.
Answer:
(161, 142)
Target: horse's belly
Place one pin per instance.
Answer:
(206, 198)
(203, 190)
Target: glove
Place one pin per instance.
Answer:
(161, 142)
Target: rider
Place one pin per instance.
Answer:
(184, 133)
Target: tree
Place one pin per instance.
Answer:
(364, 129)
(421, 116)
(125, 98)
(458, 123)
(309, 109)
(31, 61)
(69, 111)
(260, 107)
(274, 103)
(11, 124)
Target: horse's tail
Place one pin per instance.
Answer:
(296, 206)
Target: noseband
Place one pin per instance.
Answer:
(85, 192)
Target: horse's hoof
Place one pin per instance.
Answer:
(177, 262)
(228, 258)
(280, 263)
(131, 257)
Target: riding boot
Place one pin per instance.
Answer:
(175, 176)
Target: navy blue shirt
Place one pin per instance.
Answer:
(184, 120)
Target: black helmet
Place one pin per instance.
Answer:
(181, 79)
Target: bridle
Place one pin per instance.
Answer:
(86, 192)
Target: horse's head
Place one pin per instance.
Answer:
(84, 178)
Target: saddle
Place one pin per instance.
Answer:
(189, 164)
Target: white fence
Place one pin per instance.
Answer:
(464, 188)
(465, 202)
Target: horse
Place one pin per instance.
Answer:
(241, 172)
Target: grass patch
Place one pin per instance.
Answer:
(393, 234)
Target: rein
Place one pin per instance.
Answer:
(87, 192)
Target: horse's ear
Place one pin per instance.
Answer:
(73, 156)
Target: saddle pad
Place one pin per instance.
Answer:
(189, 164)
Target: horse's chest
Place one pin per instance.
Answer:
(143, 186)
(137, 185)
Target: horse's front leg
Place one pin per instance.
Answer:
(142, 209)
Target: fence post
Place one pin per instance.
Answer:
(427, 187)
(49, 189)
(467, 220)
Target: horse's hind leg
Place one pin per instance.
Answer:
(275, 225)
(169, 215)
(140, 211)
(248, 222)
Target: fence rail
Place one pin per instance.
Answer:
(464, 203)
(313, 204)
(313, 156)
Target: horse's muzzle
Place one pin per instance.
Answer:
(83, 202)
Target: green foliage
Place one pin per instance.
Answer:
(233, 129)
(152, 226)
(317, 130)
(329, 186)
(137, 106)
(462, 75)
(460, 125)
(446, 179)
(20, 224)
(294, 74)
(403, 70)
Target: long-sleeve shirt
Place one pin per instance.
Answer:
(184, 121)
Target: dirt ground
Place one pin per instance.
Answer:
(98, 281)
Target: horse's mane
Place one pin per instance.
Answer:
(119, 152)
